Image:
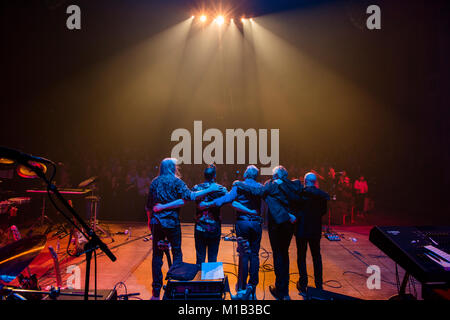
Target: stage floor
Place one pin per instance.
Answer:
(345, 263)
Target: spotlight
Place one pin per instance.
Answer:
(243, 19)
(192, 17)
(203, 18)
(251, 19)
(220, 20)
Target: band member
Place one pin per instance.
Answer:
(361, 190)
(281, 226)
(248, 227)
(164, 222)
(207, 230)
(311, 207)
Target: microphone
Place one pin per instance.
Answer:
(20, 157)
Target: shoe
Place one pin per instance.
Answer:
(239, 295)
(249, 293)
(273, 291)
(301, 290)
(286, 297)
(155, 295)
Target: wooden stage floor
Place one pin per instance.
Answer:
(344, 262)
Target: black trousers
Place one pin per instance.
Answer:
(314, 246)
(280, 236)
(359, 202)
(206, 242)
(251, 231)
(174, 237)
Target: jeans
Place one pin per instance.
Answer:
(206, 241)
(174, 237)
(250, 231)
(280, 236)
(314, 246)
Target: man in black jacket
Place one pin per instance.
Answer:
(281, 226)
(311, 205)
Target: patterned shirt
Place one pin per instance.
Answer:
(165, 189)
(208, 220)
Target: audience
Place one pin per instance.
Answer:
(123, 181)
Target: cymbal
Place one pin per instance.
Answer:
(16, 256)
(87, 182)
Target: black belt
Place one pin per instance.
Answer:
(247, 218)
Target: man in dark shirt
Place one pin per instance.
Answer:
(312, 205)
(207, 230)
(164, 222)
(281, 227)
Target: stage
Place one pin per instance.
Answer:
(345, 263)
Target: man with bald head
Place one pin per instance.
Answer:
(311, 207)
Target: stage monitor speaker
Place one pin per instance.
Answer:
(196, 289)
(105, 295)
(318, 294)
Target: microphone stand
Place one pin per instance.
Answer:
(94, 242)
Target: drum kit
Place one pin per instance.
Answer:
(15, 257)
(10, 206)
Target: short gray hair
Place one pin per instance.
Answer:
(251, 172)
(280, 172)
(168, 166)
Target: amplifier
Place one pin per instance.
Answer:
(196, 290)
